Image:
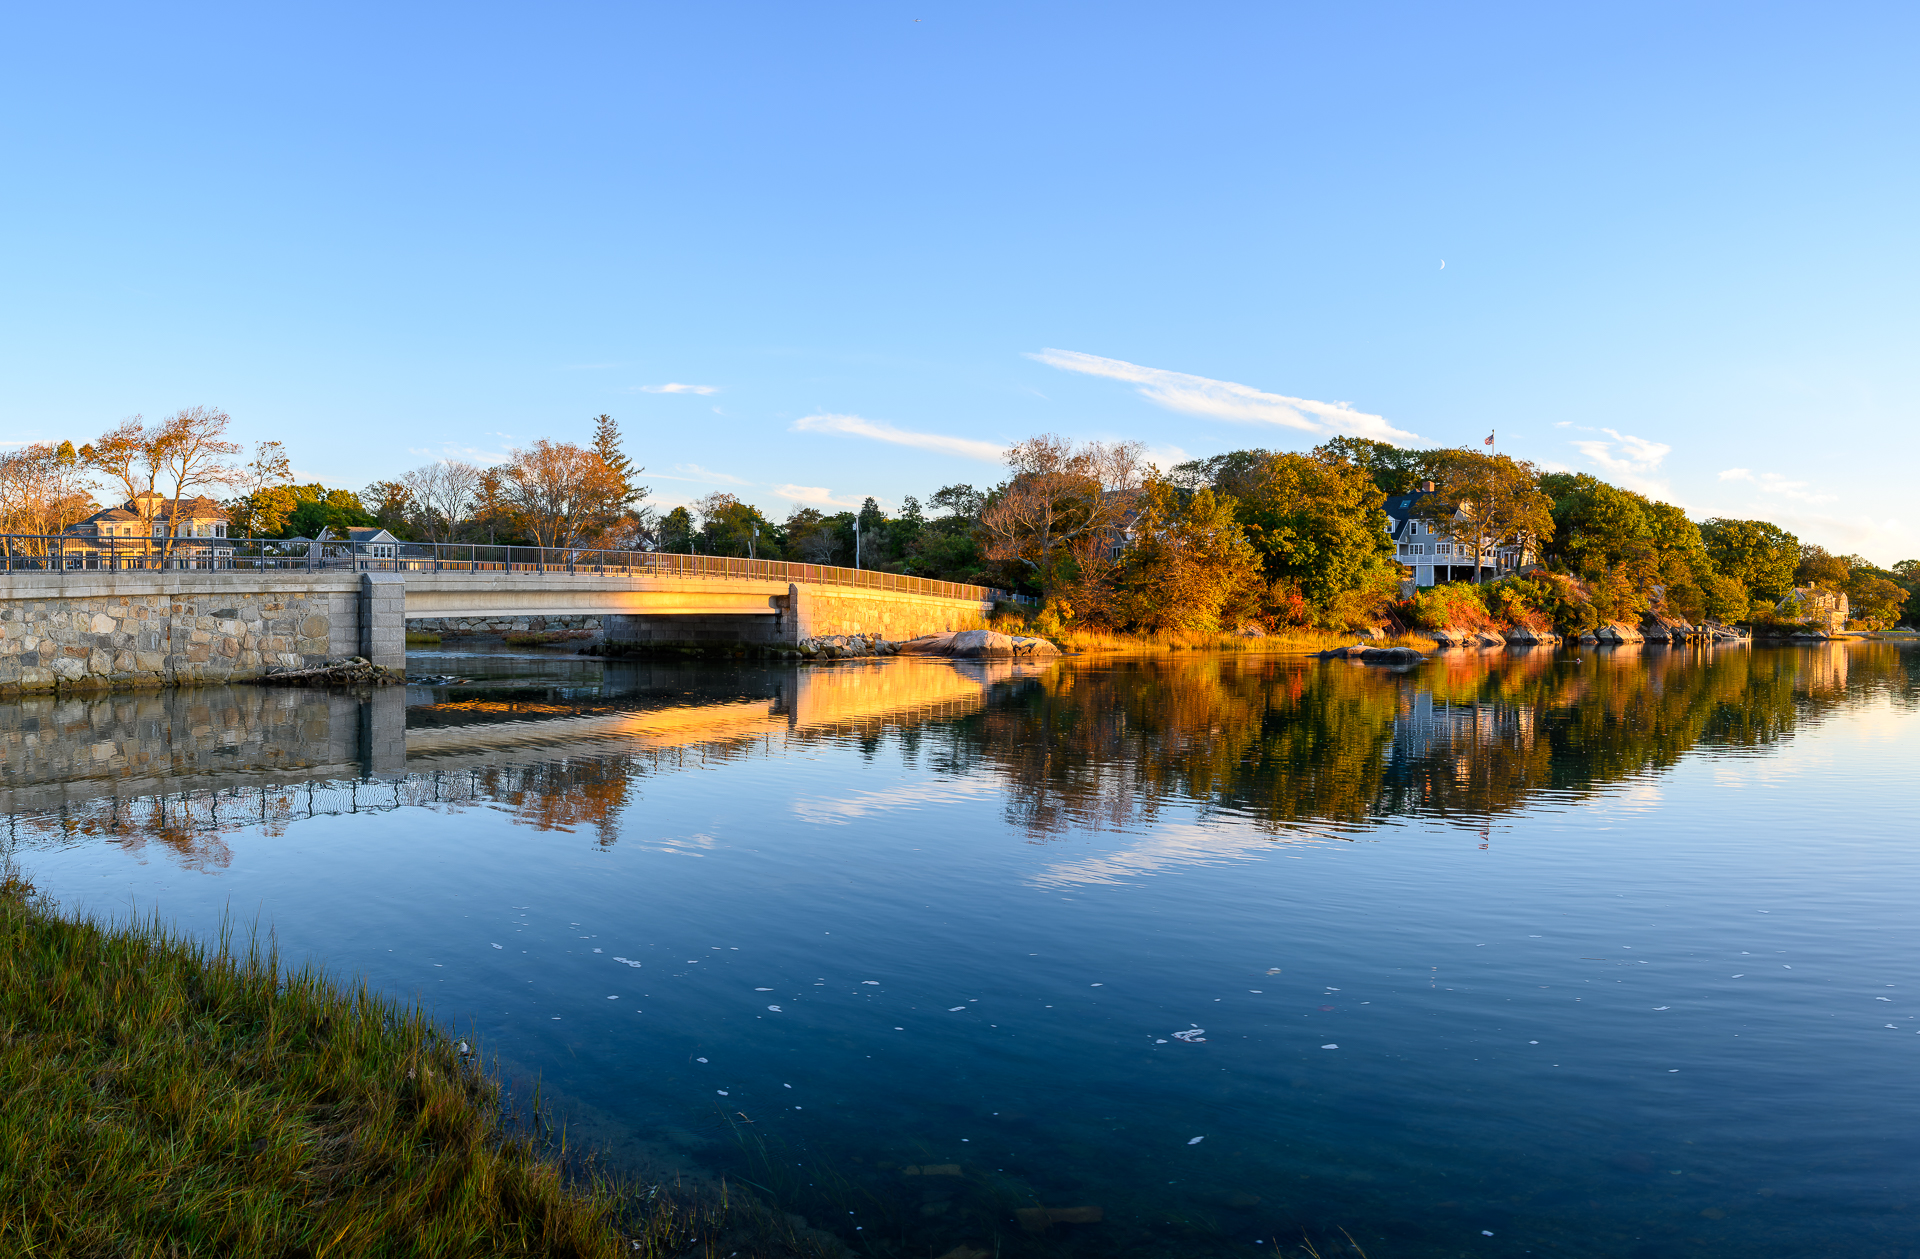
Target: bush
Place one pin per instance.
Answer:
(1456, 605)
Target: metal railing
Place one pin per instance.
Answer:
(33, 553)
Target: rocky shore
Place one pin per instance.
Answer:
(960, 645)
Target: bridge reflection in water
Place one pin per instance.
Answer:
(1288, 745)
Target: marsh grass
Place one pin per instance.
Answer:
(159, 1097)
(422, 638)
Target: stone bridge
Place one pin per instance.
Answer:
(155, 628)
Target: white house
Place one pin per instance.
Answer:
(1437, 557)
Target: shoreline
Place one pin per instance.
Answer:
(158, 1094)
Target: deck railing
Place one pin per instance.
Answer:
(24, 553)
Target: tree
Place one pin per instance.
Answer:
(1820, 567)
(676, 531)
(623, 509)
(1189, 563)
(268, 469)
(441, 496)
(1316, 523)
(731, 527)
(192, 452)
(318, 511)
(1393, 469)
(1487, 501)
(1060, 517)
(392, 506)
(124, 454)
(560, 489)
(42, 491)
(1758, 555)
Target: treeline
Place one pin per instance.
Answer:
(1278, 539)
(1105, 539)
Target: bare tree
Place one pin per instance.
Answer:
(190, 451)
(560, 489)
(268, 469)
(444, 494)
(1065, 508)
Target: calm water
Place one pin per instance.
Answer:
(1597, 953)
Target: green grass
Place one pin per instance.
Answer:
(422, 638)
(162, 1098)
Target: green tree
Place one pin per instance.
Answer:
(1316, 523)
(675, 533)
(1758, 555)
(1488, 501)
(1394, 469)
(1820, 567)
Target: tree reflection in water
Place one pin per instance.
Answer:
(1281, 743)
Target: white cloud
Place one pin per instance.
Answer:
(1225, 400)
(880, 430)
(816, 496)
(1774, 483)
(1166, 456)
(1636, 454)
(694, 472)
(674, 386)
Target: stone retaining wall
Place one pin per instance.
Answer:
(498, 624)
(186, 630)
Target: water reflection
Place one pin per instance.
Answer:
(1296, 748)
(815, 927)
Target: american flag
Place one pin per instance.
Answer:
(1489, 440)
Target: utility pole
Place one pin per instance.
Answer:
(856, 542)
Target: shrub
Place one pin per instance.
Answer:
(1456, 605)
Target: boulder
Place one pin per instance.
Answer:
(1250, 630)
(971, 644)
(1487, 638)
(1371, 633)
(1445, 637)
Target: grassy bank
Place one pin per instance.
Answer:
(1297, 641)
(162, 1098)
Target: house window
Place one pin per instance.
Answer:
(219, 531)
(381, 552)
(1445, 548)
(159, 528)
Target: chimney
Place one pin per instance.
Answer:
(1427, 486)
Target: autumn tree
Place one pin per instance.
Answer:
(1189, 567)
(1059, 519)
(1487, 501)
(560, 490)
(43, 490)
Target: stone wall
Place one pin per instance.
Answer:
(824, 610)
(165, 629)
(498, 624)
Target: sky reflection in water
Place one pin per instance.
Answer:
(1604, 955)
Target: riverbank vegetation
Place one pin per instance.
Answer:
(1279, 541)
(160, 1097)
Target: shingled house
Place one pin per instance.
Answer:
(1438, 555)
(139, 528)
(1825, 610)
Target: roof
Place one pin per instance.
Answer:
(1401, 506)
(370, 535)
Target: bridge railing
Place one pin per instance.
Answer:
(69, 554)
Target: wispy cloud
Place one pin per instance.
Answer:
(1225, 400)
(674, 386)
(1625, 453)
(815, 496)
(1774, 483)
(706, 476)
(881, 431)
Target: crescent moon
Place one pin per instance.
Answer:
(1443, 264)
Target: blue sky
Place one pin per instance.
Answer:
(811, 253)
